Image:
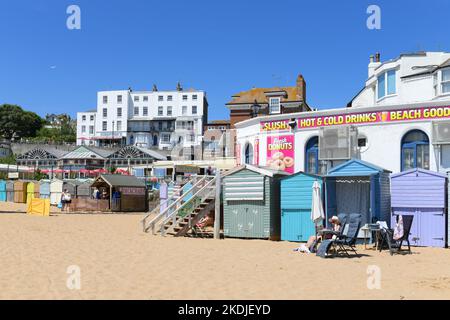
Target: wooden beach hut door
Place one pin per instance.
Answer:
(428, 228)
(296, 224)
(248, 219)
(2, 191)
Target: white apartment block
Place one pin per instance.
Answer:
(151, 119)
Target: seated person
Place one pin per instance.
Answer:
(321, 234)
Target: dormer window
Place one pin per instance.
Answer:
(386, 84)
(275, 105)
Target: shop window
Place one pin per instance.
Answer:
(248, 156)
(415, 151)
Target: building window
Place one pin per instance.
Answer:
(445, 83)
(160, 111)
(105, 112)
(145, 111)
(136, 98)
(386, 84)
(169, 98)
(275, 105)
(415, 150)
(184, 110)
(83, 118)
(145, 98)
(91, 129)
(160, 98)
(194, 97)
(160, 125)
(248, 156)
(312, 156)
(119, 125)
(104, 125)
(185, 97)
(83, 129)
(136, 111)
(92, 118)
(169, 111)
(165, 138)
(105, 99)
(119, 99)
(194, 109)
(119, 112)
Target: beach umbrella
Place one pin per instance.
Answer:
(317, 213)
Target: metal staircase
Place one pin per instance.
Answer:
(183, 213)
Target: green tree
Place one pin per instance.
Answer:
(15, 123)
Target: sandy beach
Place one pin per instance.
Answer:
(117, 260)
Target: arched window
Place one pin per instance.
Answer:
(415, 150)
(248, 154)
(312, 156)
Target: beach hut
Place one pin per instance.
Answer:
(2, 191)
(10, 191)
(252, 203)
(30, 191)
(20, 191)
(296, 206)
(421, 193)
(44, 189)
(56, 188)
(84, 190)
(71, 186)
(360, 187)
(126, 193)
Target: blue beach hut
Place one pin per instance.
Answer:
(2, 191)
(296, 205)
(357, 186)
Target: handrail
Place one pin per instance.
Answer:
(175, 212)
(164, 212)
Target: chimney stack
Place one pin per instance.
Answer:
(301, 88)
(374, 63)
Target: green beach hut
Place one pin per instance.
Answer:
(251, 203)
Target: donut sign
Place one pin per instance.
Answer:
(280, 153)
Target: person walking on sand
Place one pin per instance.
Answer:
(66, 199)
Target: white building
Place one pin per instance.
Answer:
(158, 119)
(399, 120)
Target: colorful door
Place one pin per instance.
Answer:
(296, 225)
(432, 227)
(428, 228)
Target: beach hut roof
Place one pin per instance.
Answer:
(260, 170)
(427, 172)
(355, 167)
(302, 173)
(117, 180)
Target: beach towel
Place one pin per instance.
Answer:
(398, 230)
(322, 251)
(302, 249)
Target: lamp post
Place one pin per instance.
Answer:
(255, 109)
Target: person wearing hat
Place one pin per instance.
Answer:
(322, 234)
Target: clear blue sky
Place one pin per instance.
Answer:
(221, 47)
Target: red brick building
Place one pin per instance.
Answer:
(276, 100)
